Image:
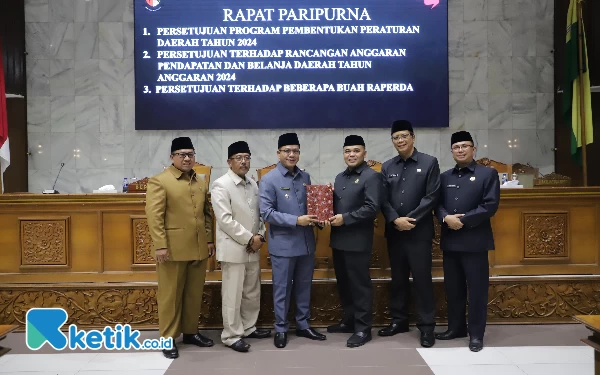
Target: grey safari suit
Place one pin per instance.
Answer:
(291, 247)
(412, 189)
(357, 196)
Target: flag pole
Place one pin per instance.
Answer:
(581, 92)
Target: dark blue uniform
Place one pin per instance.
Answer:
(357, 196)
(412, 189)
(475, 192)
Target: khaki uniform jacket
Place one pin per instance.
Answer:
(179, 215)
(235, 203)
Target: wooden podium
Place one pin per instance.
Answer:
(90, 254)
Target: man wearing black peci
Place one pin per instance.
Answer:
(358, 191)
(470, 197)
(412, 187)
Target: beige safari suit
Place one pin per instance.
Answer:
(180, 220)
(235, 203)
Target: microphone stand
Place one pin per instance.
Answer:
(53, 186)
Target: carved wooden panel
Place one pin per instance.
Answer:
(142, 242)
(514, 302)
(44, 242)
(436, 247)
(545, 235)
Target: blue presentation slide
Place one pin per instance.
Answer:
(234, 64)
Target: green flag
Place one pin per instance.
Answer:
(571, 109)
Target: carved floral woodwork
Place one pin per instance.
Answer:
(142, 242)
(545, 235)
(44, 242)
(516, 302)
(436, 247)
(552, 179)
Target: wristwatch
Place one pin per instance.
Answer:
(262, 239)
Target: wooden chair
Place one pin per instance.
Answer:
(552, 180)
(203, 169)
(139, 186)
(500, 167)
(375, 165)
(263, 171)
(520, 169)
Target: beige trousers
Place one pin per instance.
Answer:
(240, 292)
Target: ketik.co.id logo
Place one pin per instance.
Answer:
(43, 325)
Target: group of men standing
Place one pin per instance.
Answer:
(409, 191)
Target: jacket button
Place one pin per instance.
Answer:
(404, 168)
(402, 191)
(458, 187)
(455, 210)
(401, 204)
(403, 179)
(456, 198)
(459, 176)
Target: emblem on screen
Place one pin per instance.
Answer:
(433, 3)
(153, 5)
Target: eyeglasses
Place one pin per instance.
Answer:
(461, 147)
(240, 158)
(184, 154)
(287, 151)
(401, 136)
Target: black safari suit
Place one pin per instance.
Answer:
(475, 192)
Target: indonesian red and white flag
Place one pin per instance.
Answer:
(4, 147)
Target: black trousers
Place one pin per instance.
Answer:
(354, 287)
(414, 257)
(467, 271)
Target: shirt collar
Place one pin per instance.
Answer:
(357, 170)
(236, 179)
(284, 171)
(178, 173)
(470, 167)
(414, 157)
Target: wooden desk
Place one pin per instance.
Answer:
(592, 322)
(5, 330)
(90, 254)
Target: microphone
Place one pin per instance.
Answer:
(53, 186)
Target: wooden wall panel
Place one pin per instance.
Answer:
(108, 238)
(510, 301)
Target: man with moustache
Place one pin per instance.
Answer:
(291, 239)
(181, 228)
(357, 198)
(412, 184)
(240, 235)
(470, 197)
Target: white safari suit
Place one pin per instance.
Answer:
(235, 204)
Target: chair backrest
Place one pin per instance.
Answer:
(520, 169)
(375, 165)
(203, 169)
(263, 171)
(500, 167)
(139, 186)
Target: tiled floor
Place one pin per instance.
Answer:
(522, 350)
